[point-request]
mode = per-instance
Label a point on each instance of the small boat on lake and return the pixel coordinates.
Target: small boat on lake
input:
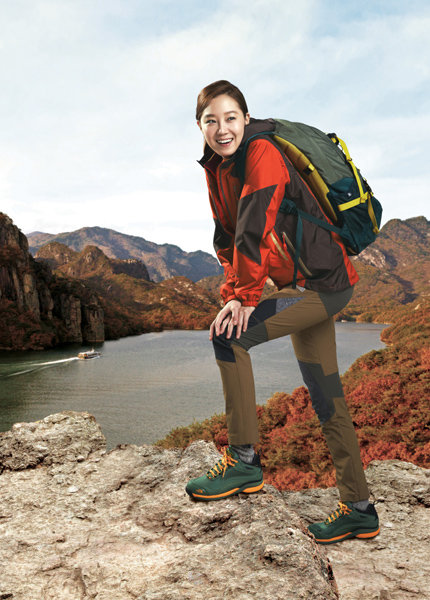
(89, 354)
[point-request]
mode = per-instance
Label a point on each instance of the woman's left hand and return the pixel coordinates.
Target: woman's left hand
(232, 315)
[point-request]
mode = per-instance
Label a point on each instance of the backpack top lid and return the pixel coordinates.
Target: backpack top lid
(316, 145)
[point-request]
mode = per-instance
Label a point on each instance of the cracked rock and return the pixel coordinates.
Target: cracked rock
(77, 523)
(119, 525)
(395, 564)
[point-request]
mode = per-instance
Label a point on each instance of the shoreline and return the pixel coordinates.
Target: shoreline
(94, 343)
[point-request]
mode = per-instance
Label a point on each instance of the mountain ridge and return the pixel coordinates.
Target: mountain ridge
(68, 296)
(161, 260)
(394, 272)
(65, 259)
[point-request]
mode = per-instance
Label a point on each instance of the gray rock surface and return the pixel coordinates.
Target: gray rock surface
(395, 564)
(79, 523)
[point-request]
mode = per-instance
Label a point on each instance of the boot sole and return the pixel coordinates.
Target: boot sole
(248, 489)
(364, 534)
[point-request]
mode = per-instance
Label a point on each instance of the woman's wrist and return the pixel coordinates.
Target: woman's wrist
(234, 299)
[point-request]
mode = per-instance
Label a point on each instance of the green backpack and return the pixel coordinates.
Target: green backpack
(346, 198)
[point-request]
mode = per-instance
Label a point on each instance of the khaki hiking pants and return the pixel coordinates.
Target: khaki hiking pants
(308, 317)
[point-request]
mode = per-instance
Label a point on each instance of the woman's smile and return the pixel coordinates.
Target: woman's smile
(223, 125)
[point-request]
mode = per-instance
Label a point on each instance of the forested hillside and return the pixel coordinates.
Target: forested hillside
(131, 303)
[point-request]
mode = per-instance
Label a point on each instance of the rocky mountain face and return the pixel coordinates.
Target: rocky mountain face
(394, 270)
(77, 523)
(91, 261)
(399, 244)
(68, 296)
(162, 260)
(37, 309)
(131, 303)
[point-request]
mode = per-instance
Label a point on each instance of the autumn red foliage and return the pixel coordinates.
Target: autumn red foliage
(387, 392)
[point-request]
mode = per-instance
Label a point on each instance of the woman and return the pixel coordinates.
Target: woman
(254, 240)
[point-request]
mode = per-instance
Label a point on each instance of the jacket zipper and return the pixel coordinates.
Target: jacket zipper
(286, 257)
(222, 197)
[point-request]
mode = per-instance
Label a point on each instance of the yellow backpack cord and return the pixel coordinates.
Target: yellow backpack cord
(364, 196)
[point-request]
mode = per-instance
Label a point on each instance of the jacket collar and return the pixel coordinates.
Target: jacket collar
(210, 160)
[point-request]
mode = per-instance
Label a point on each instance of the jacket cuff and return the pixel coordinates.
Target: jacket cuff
(230, 297)
(249, 302)
(250, 299)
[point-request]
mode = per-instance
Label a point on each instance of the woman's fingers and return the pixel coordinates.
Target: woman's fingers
(226, 322)
(247, 311)
(234, 307)
(240, 324)
(211, 330)
(229, 316)
(244, 314)
(233, 322)
(220, 318)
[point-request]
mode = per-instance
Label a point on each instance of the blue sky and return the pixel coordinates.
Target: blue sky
(98, 101)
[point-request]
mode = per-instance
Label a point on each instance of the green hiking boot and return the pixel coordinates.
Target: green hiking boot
(346, 522)
(229, 476)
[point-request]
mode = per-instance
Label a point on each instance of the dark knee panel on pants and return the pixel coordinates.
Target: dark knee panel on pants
(256, 332)
(322, 389)
(222, 347)
(272, 306)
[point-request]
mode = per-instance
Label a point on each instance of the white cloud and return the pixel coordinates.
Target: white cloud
(398, 194)
(152, 214)
(98, 101)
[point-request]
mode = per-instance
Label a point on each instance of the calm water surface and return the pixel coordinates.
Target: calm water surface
(144, 386)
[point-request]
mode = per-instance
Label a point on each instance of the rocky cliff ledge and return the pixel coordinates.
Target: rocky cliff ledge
(37, 309)
(77, 523)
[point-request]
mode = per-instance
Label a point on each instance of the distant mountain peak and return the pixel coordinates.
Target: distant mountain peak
(162, 260)
(38, 233)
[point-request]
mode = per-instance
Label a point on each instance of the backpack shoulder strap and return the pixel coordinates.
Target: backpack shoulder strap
(241, 158)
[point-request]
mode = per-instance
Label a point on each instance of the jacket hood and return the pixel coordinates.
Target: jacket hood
(210, 159)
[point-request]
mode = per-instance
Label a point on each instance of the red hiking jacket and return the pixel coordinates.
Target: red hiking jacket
(253, 240)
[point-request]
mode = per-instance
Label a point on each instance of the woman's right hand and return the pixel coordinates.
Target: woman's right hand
(233, 314)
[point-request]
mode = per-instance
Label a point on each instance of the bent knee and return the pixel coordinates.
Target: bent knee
(222, 347)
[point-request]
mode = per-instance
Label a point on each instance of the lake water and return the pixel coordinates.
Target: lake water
(144, 386)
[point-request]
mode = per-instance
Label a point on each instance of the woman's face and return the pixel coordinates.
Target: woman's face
(222, 124)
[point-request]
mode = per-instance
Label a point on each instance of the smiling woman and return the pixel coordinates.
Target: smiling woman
(254, 240)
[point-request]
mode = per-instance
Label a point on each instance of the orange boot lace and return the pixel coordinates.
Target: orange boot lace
(220, 468)
(342, 509)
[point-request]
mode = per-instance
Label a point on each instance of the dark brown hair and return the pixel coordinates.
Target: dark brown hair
(215, 89)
